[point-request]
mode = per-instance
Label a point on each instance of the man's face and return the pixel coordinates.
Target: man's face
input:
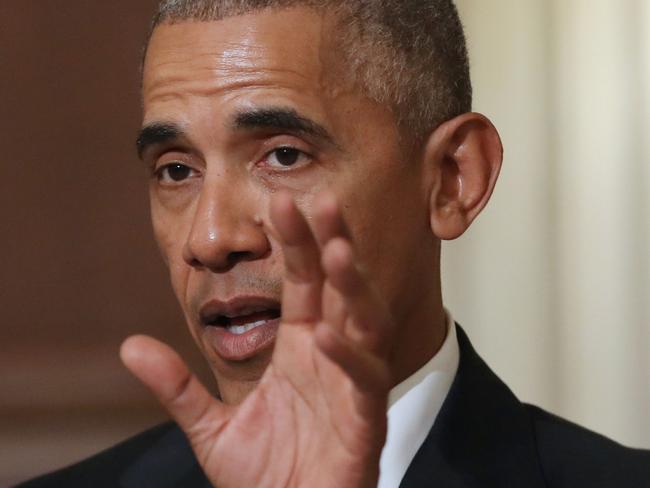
(238, 109)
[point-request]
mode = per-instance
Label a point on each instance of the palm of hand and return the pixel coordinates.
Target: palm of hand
(318, 416)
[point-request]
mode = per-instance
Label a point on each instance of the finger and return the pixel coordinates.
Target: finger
(334, 311)
(328, 223)
(369, 322)
(328, 220)
(162, 370)
(301, 293)
(368, 372)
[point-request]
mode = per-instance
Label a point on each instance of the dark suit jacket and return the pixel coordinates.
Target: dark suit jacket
(483, 437)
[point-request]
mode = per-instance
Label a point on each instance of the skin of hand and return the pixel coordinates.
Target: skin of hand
(324, 209)
(321, 403)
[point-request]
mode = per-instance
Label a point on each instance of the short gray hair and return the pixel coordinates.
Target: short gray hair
(409, 54)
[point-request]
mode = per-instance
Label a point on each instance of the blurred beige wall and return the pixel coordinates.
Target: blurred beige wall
(553, 281)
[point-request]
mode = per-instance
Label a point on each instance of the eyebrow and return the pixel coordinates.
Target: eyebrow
(157, 133)
(270, 118)
(281, 119)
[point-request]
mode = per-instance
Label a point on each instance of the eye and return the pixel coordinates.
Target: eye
(174, 173)
(286, 157)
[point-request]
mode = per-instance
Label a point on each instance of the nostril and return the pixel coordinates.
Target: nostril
(219, 265)
(221, 251)
(235, 257)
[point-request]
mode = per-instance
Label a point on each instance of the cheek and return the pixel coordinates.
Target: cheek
(390, 224)
(170, 234)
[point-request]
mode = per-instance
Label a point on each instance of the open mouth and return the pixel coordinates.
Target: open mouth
(242, 323)
(240, 328)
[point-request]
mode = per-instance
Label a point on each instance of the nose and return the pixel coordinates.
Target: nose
(225, 230)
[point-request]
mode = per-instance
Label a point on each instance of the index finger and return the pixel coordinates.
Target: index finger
(303, 281)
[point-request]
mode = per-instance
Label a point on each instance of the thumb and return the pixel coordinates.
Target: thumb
(162, 370)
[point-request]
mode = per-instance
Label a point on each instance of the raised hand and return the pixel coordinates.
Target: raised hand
(318, 416)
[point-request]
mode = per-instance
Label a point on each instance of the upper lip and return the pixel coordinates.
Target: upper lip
(213, 310)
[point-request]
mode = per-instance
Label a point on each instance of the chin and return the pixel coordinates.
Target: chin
(236, 379)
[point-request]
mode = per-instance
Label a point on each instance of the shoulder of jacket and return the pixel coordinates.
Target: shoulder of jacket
(102, 468)
(571, 455)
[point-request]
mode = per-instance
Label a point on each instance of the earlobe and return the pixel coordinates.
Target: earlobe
(465, 156)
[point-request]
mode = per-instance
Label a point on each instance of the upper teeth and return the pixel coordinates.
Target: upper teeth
(241, 312)
(242, 329)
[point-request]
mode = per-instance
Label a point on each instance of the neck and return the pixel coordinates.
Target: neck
(422, 332)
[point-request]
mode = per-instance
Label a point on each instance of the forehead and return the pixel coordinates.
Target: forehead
(284, 49)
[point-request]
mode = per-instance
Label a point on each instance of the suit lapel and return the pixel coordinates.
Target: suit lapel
(482, 437)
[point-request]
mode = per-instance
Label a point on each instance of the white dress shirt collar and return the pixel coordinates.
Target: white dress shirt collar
(414, 405)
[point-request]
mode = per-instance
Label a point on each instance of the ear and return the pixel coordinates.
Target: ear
(464, 155)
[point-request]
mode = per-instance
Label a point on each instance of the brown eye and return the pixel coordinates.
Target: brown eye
(285, 157)
(175, 172)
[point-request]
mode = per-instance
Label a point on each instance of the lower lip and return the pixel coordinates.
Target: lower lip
(239, 347)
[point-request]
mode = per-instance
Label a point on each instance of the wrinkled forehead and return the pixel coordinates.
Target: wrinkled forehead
(293, 47)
